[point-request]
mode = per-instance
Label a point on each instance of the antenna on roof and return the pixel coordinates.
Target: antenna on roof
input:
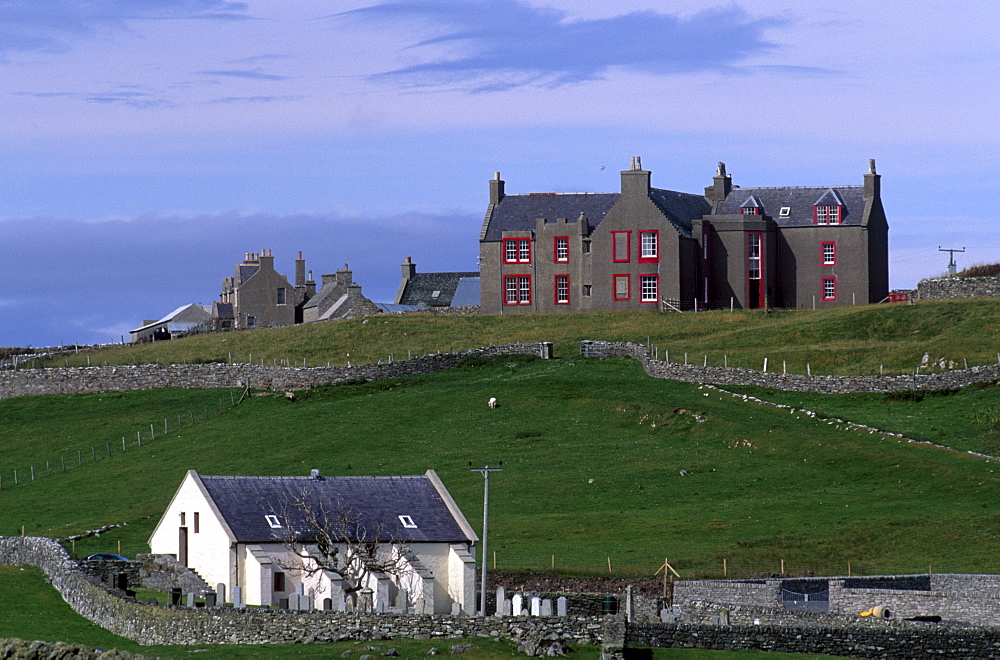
(951, 258)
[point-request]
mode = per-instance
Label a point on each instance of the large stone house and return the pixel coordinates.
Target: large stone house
(648, 247)
(251, 532)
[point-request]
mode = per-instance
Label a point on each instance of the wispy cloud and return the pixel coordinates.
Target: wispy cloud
(124, 96)
(53, 26)
(252, 74)
(503, 44)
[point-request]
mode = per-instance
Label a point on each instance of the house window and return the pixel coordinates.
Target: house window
(183, 518)
(649, 288)
(829, 288)
(620, 247)
(750, 210)
(197, 522)
(407, 522)
(251, 321)
(517, 250)
(649, 247)
(830, 254)
(281, 295)
(562, 289)
(585, 247)
(517, 290)
(827, 215)
(586, 290)
(561, 247)
(621, 287)
(753, 256)
(278, 583)
(272, 521)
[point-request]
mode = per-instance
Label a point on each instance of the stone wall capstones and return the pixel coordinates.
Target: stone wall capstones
(790, 382)
(124, 378)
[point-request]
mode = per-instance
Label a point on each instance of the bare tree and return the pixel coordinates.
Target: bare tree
(335, 540)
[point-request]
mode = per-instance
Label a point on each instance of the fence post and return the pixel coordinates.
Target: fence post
(48, 470)
(16, 482)
(108, 444)
(123, 444)
(32, 472)
(79, 457)
(63, 462)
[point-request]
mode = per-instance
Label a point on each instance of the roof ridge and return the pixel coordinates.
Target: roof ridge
(793, 187)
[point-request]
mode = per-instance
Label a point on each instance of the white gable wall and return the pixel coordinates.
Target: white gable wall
(208, 539)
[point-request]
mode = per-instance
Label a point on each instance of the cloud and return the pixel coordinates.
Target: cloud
(54, 25)
(501, 44)
(252, 74)
(125, 96)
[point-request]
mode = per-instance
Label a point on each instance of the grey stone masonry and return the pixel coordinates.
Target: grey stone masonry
(791, 382)
(79, 380)
(958, 287)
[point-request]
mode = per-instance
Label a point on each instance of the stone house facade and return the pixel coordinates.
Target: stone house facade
(239, 531)
(339, 297)
(652, 248)
(259, 296)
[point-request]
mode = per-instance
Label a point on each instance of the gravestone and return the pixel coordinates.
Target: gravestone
(516, 604)
(190, 599)
(561, 606)
(456, 609)
(237, 596)
(667, 615)
(403, 601)
(210, 599)
(507, 607)
(327, 604)
(220, 589)
(300, 588)
(536, 606)
(285, 603)
(629, 604)
(501, 594)
(380, 606)
(546, 607)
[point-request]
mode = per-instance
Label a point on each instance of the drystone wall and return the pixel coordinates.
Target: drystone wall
(958, 287)
(22, 648)
(154, 624)
(790, 382)
(79, 380)
(870, 639)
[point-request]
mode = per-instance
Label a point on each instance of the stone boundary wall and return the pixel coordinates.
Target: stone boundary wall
(869, 639)
(154, 624)
(12, 647)
(958, 287)
(123, 378)
(790, 382)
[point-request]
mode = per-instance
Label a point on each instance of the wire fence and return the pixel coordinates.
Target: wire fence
(514, 561)
(92, 453)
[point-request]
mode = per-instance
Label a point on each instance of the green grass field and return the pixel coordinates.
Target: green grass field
(842, 340)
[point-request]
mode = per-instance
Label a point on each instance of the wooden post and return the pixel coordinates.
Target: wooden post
(609, 565)
(494, 560)
(48, 469)
(32, 472)
(123, 444)
(72, 545)
(848, 569)
(109, 447)
(138, 438)
(782, 566)
(22, 531)
(119, 546)
(79, 457)
(808, 370)
(725, 569)
(765, 365)
(553, 562)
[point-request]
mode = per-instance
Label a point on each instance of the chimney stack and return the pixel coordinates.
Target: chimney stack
(496, 189)
(300, 270)
(635, 181)
(873, 185)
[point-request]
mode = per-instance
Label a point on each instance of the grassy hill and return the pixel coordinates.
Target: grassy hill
(843, 340)
(593, 457)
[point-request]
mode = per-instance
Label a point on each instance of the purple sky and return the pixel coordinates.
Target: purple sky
(149, 144)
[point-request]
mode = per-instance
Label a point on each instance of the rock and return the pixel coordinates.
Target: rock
(391, 652)
(459, 649)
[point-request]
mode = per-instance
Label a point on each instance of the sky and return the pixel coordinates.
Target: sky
(147, 145)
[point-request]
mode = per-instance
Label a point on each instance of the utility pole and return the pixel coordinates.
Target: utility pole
(951, 258)
(485, 471)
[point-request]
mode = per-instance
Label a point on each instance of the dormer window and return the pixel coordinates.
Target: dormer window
(752, 206)
(828, 215)
(750, 210)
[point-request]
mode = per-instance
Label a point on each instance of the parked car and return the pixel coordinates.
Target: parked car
(106, 556)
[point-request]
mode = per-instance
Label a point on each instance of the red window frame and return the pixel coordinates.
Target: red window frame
(555, 249)
(614, 286)
(626, 242)
(823, 282)
(655, 259)
(522, 283)
(822, 253)
(555, 289)
(831, 214)
(517, 246)
(656, 282)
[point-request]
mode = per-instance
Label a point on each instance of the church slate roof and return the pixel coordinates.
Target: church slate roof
(374, 504)
(680, 208)
(421, 287)
(800, 202)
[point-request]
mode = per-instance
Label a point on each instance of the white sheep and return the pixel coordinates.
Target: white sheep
(492, 403)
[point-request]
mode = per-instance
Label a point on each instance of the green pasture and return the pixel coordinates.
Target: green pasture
(864, 339)
(602, 465)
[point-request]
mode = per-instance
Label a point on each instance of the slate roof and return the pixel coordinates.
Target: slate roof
(800, 201)
(374, 502)
(178, 326)
(246, 272)
(421, 287)
(519, 212)
(467, 292)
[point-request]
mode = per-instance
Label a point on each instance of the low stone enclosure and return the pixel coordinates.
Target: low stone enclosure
(938, 288)
(791, 382)
(724, 614)
(80, 380)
